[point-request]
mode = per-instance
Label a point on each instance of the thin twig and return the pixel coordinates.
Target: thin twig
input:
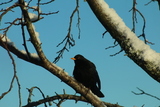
(144, 25)
(46, 2)
(134, 20)
(6, 2)
(78, 20)
(31, 93)
(13, 78)
(24, 40)
(7, 10)
(143, 92)
(69, 41)
(19, 91)
(104, 33)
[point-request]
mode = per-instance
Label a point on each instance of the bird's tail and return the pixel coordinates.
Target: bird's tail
(97, 91)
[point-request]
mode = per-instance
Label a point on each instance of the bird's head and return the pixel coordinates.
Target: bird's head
(81, 61)
(78, 57)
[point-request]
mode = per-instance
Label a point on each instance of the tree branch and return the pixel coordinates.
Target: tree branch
(4, 38)
(135, 48)
(52, 68)
(68, 40)
(63, 97)
(42, 61)
(144, 93)
(21, 54)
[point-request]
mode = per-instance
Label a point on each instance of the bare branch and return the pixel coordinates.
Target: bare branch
(24, 40)
(78, 20)
(112, 46)
(31, 31)
(149, 2)
(50, 13)
(19, 91)
(52, 68)
(117, 53)
(30, 94)
(127, 39)
(5, 30)
(69, 41)
(15, 73)
(20, 54)
(64, 97)
(115, 45)
(46, 2)
(134, 20)
(7, 10)
(104, 33)
(153, 1)
(6, 2)
(13, 78)
(144, 93)
(144, 25)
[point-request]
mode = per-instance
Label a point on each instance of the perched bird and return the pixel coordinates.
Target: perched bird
(85, 72)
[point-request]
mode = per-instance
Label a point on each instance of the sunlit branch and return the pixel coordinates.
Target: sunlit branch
(33, 59)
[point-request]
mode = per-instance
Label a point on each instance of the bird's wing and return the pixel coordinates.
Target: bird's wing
(98, 80)
(96, 76)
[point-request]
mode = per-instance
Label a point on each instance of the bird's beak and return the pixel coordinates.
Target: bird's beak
(73, 58)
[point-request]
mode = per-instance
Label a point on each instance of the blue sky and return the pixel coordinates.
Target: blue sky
(119, 75)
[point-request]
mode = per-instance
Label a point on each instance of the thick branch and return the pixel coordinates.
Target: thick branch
(31, 31)
(55, 70)
(136, 49)
(20, 54)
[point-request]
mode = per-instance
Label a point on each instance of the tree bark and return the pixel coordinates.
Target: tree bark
(135, 49)
(55, 70)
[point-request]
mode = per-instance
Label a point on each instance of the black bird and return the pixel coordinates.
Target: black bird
(85, 72)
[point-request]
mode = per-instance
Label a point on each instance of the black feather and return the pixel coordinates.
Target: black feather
(85, 72)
